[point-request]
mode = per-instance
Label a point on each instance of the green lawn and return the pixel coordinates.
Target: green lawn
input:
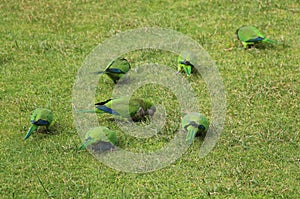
(43, 45)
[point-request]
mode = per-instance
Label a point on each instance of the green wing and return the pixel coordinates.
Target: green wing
(137, 110)
(117, 69)
(249, 33)
(120, 105)
(42, 114)
(39, 117)
(98, 134)
(185, 63)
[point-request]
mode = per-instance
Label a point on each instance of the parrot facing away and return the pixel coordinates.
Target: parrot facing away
(250, 35)
(194, 124)
(137, 109)
(184, 64)
(100, 139)
(116, 69)
(39, 117)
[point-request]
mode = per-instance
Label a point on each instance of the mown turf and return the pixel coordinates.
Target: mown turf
(43, 44)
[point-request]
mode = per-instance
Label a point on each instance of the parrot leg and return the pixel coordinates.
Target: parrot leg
(47, 129)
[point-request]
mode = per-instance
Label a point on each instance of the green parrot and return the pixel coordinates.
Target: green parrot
(100, 139)
(184, 64)
(195, 124)
(250, 35)
(116, 69)
(137, 111)
(39, 117)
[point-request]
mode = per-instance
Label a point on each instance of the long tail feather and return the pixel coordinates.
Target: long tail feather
(189, 70)
(86, 111)
(99, 72)
(83, 146)
(29, 132)
(271, 41)
(191, 134)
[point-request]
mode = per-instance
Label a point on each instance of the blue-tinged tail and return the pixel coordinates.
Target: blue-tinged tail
(107, 110)
(257, 39)
(191, 134)
(30, 131)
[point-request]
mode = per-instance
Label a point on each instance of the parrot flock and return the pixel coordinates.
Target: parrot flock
(137, 109)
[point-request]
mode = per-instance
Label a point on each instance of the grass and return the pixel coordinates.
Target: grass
(43, 44)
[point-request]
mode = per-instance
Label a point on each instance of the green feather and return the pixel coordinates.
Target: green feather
(31, 130)
(137, 110)
(194, 123)
(185, 63)
(40, 117)
(270, 41)
(250, 35)
(120, 64)
(191, 133)
(188, 70)
(99, 134)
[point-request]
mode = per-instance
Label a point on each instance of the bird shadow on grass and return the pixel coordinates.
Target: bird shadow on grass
(200, 136)
(42, 132)
(268, 46)
(55, 129)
